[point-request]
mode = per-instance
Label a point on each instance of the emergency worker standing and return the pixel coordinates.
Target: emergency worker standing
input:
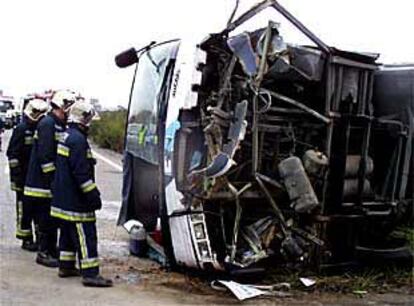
(75, 199)
(18, 153)
(1, 132)
(37, 190)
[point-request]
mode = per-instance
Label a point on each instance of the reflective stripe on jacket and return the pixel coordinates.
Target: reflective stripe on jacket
(74, 187)
(18, 153)
(42, 160)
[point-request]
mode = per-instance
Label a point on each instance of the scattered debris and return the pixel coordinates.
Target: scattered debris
(259, 152)
(308, 282)
(244, 291)
(360, 293)
(130, 278)
(156, 252)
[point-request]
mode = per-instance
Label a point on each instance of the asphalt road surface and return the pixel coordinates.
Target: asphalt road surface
(137, 281)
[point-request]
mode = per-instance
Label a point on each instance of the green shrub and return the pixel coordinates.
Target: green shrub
(108, 132)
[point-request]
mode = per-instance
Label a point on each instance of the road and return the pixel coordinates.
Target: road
(23, 282)
(137, 281)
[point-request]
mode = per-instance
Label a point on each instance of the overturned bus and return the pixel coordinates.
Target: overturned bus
(254, 152)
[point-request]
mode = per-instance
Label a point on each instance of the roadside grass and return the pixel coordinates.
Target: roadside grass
(378, 279)
(368, 279)
(108, 132)
(406, 232)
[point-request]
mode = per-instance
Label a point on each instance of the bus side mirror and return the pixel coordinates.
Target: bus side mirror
(126, 58)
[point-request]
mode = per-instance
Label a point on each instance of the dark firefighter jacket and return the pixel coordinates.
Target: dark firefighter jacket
(75, 194)
(18, 153)
(42, 159)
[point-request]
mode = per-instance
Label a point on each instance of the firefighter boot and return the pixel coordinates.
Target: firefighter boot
(29, 245)
(96, 281)
(47, 260)
(63, 272)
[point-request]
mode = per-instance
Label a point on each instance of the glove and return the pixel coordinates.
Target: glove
(97, 204)
(19, 181)
(93, 199)
(16, 176)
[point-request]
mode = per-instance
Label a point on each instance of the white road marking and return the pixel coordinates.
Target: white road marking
(6, 170)
(108, 161)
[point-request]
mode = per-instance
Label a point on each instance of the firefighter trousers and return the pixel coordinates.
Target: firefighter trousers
(24, 218)
(47, 225)
(79, 238)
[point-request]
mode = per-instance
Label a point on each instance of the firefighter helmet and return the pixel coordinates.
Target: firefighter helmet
(63, 99)
(82, 112)
(35, 109)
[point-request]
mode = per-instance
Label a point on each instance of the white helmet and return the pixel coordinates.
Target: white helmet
(35, 109)
(63, 99)
(82, 112)
(80, 98)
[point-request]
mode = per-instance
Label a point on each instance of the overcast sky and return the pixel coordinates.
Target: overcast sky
(71, 43)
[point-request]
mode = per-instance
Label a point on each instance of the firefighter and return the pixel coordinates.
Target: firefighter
(1, 132)
(75, 199)
(18, 153)
(37, 189)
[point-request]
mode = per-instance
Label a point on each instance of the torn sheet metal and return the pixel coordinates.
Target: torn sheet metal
(273, 153)
(237, 130)
(277, 46)
(242, 48)
(221, 163)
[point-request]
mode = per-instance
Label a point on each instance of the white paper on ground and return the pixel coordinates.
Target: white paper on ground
(307, 281)
(241, 291)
